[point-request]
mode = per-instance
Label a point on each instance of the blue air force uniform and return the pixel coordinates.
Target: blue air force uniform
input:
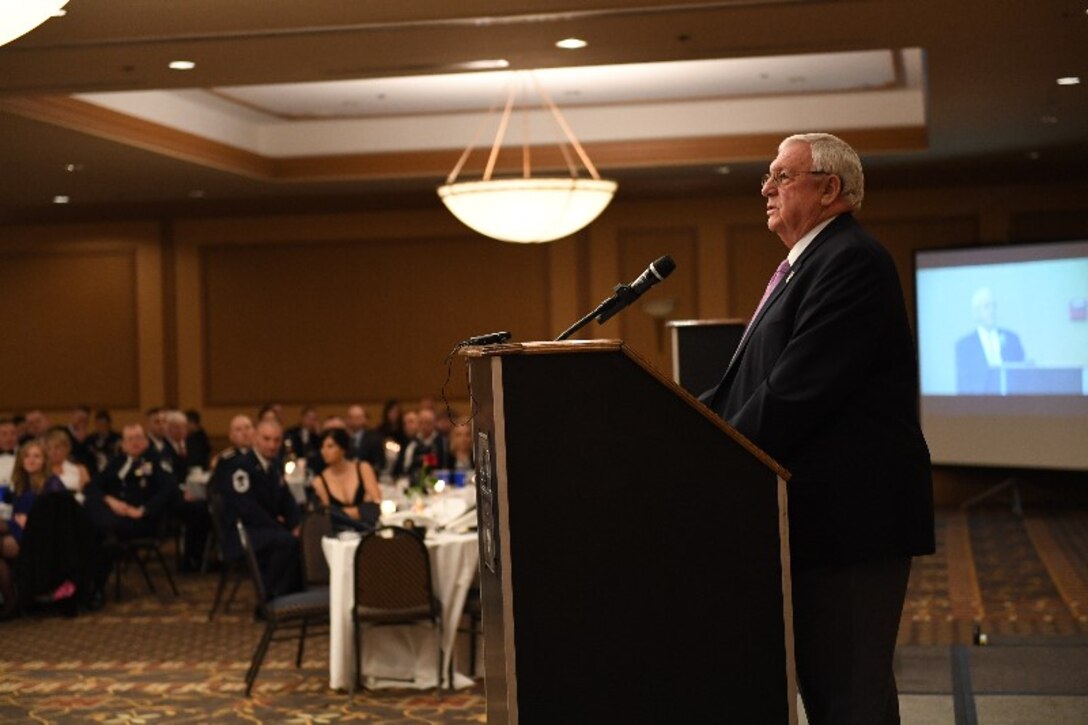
(252, 490)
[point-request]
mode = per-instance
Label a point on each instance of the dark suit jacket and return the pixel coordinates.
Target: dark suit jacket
(370, 449)
(826, 383)
(973, 372)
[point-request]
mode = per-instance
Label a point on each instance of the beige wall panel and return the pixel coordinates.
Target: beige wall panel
(752, 255)
(901, 237)
(74, 337)
(333, 321)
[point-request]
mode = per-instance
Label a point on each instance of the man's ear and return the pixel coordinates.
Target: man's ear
(832, 190)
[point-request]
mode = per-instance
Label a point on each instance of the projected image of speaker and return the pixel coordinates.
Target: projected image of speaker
(1003, 354)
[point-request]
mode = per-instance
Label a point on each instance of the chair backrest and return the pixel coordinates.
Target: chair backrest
(393, 571)
(251, 563)
(316, 525)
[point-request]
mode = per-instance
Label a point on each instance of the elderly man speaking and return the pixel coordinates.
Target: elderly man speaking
(825, 380)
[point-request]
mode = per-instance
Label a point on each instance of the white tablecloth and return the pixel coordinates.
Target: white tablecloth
(399, 656)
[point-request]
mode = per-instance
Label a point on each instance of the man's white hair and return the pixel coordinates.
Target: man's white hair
(835, 156)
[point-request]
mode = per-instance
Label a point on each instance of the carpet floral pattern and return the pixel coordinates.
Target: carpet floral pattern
(157, 659)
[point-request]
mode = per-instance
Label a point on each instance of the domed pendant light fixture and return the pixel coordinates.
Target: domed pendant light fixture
(19, 17)
(528, 209)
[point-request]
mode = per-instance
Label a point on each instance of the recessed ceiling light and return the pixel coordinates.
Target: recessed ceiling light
(488, 64)
(60, 199)
(571, 43)
(1068, 81)
(723, 170)
(182, 65)
(73, 168)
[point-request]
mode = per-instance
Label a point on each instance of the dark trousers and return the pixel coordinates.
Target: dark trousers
(845, 621)
(279, 557)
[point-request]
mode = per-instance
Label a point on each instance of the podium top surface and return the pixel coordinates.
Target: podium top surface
(568, 347)
(705, 323)
(544, 348)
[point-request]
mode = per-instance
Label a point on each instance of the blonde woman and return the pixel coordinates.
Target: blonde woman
(58, 450)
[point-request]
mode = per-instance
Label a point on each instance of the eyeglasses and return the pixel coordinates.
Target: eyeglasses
(785, 178)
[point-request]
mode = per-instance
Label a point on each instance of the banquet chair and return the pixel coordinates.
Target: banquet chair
(316, 525)
(140, 551)
(393, 587)
(301, 611)
(229, 566)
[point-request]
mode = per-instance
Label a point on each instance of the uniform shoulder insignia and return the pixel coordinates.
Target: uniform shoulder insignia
(228, 454)
(240, 480)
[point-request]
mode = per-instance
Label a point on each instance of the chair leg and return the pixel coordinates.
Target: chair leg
(301, 643)
(143, 569)
(473, 633)
(166, 570)
(118, 565)
(219, 591)
(356, 662)
(239, 575)
(258, 656)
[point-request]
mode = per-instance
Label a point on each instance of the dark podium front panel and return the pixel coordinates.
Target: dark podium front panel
(638, 571)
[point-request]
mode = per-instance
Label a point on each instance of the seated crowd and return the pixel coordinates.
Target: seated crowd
(75, 494)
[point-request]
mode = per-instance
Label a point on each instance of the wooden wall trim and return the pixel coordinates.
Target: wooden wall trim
(111, 125)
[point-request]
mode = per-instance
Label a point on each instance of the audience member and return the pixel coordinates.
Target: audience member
(303, 438)
(174, 456)
(196, 441)
(58, 450)
(240, 435)
(128, 499)
(77, 430)
(253, 491)
(461, 452)
(56, 548)
(104, 443)
(427, 442)
(20, 426)
(31, 478)
(186, 506)
(409, 425)
(36, 426)
(366, 445)
(8, 441)
(345, 485)
(391, 428)
(155, 428)
(9, 550)
(270, 411)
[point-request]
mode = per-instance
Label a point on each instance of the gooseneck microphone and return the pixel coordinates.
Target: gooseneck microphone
(624, 294)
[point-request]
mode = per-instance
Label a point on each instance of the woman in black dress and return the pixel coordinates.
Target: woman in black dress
(347, 486)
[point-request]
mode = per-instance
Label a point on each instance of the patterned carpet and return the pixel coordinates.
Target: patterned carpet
(156, 659)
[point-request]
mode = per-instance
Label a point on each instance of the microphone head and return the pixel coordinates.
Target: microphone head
(663, 266)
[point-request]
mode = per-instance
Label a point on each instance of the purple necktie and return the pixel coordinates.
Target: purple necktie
(776, 279)
(779, 274)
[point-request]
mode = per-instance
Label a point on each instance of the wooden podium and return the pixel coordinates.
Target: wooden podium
(634, 558)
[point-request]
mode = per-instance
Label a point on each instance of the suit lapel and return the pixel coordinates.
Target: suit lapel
(795, 269)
